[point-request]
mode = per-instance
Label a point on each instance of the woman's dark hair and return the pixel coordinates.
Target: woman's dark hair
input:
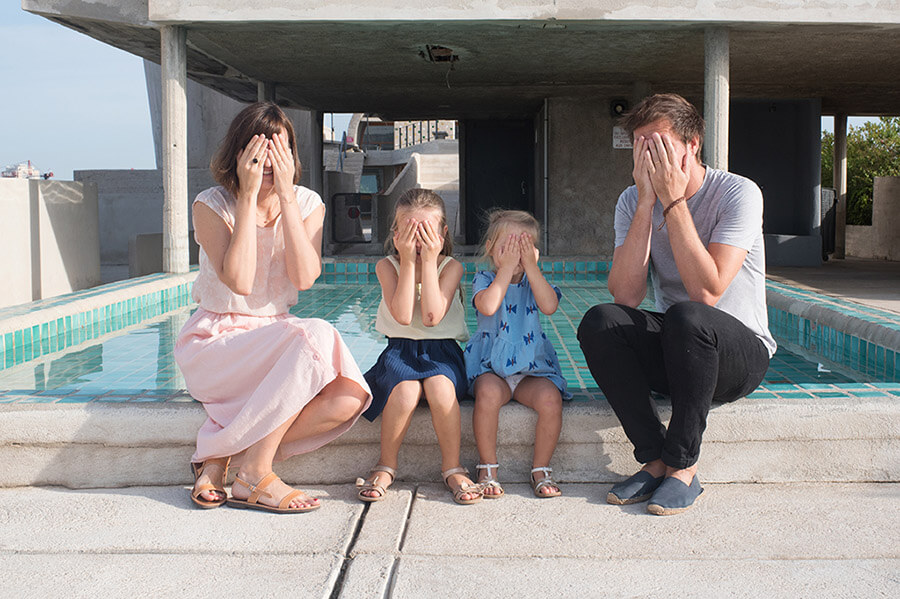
(264, 118)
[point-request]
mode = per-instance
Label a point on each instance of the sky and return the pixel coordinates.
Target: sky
(69, 102)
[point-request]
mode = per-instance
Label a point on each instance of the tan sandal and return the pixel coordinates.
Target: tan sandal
(372, 485)
(258, 490)
(547, 481)
(490, 482)
(196, 492)
(463, 488)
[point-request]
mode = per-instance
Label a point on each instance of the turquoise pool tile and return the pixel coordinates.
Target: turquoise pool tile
(815, 386)
(830, 393)
(762, 395)
(868, 393)
(77, 399)
(886, 385)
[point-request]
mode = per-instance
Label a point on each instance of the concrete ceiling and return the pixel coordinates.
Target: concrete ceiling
(509, 67)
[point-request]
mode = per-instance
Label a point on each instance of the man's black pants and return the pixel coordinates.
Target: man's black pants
(694, 353)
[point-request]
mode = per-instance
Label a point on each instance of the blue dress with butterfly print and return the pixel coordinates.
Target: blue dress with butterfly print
(511, 341)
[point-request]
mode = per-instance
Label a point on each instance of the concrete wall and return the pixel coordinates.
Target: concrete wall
(50, 229)
(131, 203)
(209, 115)
(585, 179)
(881, 240)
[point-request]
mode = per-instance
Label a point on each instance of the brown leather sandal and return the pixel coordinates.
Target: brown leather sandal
(463, 487)
(373, 485)
(198, 469)
(258, 490)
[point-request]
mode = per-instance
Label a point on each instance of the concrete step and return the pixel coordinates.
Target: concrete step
(751, 440)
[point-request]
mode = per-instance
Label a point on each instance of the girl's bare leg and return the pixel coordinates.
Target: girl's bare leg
(541, 395)
(395, 419)
(491, 393)
(441, 395)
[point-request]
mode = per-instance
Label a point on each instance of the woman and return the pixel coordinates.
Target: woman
(273, 385)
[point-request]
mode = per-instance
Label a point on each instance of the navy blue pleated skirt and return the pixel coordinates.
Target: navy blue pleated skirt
(414, 360)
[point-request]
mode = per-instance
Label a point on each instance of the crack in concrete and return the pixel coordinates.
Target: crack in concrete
(348, 554)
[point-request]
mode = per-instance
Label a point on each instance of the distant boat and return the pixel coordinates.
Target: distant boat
(24, 170)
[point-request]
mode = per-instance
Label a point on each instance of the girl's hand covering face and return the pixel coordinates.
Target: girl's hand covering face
(405, 240)
(250, 173)
(527, 252)
(509, 254)
(432, 241)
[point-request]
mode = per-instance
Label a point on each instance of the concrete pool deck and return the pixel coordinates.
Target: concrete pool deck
(874, 283)
(741, 540)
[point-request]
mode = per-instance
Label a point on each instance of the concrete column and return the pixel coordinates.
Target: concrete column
(840, 185)
(265, 91)
(174, 148)
(716, 97)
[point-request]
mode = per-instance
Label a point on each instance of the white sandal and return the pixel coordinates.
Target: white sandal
(490, 482)
(547, 481)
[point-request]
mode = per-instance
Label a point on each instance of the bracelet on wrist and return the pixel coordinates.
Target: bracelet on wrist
(666, 212)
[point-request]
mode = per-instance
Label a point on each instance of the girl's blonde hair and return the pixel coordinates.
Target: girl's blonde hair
(498, 220)
(419, 199)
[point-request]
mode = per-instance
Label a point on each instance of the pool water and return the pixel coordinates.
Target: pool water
(136, 364)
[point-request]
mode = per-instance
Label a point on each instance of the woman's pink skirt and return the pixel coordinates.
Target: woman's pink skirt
(253, 373)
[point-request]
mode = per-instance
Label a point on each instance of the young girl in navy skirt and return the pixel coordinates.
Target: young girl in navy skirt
(422, 315)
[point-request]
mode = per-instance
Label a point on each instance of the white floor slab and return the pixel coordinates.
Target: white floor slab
(603, 577)
(163, 520)
(737, 521)
(102, 576)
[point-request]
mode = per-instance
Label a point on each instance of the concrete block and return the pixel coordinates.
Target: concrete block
(798, 521)
(751, 440)
(197, 569)
(163, 520)
(369, 576)
(611, 576)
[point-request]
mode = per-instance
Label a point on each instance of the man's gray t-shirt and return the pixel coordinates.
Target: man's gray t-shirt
(726, 209)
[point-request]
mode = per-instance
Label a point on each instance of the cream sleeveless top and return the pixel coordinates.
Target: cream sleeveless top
(452, 326)
(273, 293)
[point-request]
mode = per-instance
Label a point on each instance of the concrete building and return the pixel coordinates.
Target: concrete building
(535, 86)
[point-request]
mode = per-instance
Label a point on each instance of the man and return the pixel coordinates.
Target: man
(699, 232)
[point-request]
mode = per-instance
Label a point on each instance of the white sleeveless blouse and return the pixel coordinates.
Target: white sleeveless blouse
(452, 326)
(272, 293)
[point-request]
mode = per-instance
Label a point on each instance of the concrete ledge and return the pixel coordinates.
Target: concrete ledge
(751, 440)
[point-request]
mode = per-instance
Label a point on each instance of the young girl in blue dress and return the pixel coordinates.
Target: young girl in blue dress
(509, 356)
(422, 315)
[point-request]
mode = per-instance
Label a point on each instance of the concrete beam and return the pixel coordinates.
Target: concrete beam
(174, 152)
(265, 91)
(715, 97)
(840, 185)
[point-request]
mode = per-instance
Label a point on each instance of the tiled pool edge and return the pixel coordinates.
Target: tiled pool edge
(40, 328)
(839, 332)
(861, 338)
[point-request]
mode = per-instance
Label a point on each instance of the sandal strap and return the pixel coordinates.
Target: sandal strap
(487, 467)
(386, 469)
(458, 470)
(258, 489)
(286, 501)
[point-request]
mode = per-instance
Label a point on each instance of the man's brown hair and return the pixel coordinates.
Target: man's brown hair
(263, 118)
(685, 119)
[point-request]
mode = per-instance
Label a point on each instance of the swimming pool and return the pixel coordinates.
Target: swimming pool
(135, 364)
